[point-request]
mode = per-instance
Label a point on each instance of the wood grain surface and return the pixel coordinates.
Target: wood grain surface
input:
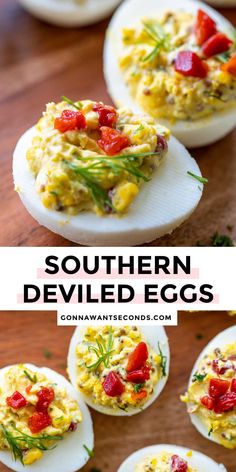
(38, 64)
(26, 336)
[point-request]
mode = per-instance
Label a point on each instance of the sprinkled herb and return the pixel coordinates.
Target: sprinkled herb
(198, 377)
(224, 57)
(103, 351)
(47, 353)
(221, 240)
(77, 105)
(163, 361)
(138, 387)
(90, 453)
(123, 408)
(160, 38)
(33, 378)
(203, 180)
(210, 431)
(17, 443)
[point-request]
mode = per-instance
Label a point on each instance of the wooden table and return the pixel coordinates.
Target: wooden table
(29, 335)
(39, 63)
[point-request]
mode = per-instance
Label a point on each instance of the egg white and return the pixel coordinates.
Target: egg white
(153, 335)
(197, 133)
(69, 454)
(227, 336)
(161, 205)
(198, 460)
(68, 13)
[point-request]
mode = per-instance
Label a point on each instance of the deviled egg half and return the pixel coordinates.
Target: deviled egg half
(104, 177)
(44, 423)
(70, 13)
(175, 61)
(211, 395)
(169, 458)
(119, 370)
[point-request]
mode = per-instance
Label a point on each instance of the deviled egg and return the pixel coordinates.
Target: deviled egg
(100, 176)
(211, 395)
(70, 12)
(169, 458)
(44, 423)
(119, 370)
(177, 62)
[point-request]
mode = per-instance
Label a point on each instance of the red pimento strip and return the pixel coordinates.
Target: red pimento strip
(218, 387)
(139, 376)
(205, 27)
(139, 396)
(112, 385)
(230, 66)
(216, 45)
(178, 464)
(233, 386)
(45, 397)
(208, 402)
(16, 401)
(189, 64)
(137, 359)
(39, 421)
(107, 115)
(70, 120)
(225, 403)
(112, 141)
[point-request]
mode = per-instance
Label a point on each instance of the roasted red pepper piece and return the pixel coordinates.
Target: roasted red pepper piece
(218, 387)
(112, 141)
(205, 27)
(188, 63)
(233, 386)
(137, 359)
(70, 120)
(16, 401)
(226, 402)
(178, 464)
(107, 115)
(38, 421)
(45, 397)
(216, 44)
(113, 385)
(208, 402)
(139, 396)
(218, 370)
(28, 388)
(230, 66)
(139, 376)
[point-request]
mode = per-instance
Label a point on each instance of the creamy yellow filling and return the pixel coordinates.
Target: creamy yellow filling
(221, 426)
(14, 422)
(153, 82)
(53, 156)
(124, 340)
(160, 462)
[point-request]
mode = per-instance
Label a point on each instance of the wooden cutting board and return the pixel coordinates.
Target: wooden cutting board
(38, 64)
(34, 337)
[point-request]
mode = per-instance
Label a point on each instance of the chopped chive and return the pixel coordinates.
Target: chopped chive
(203, 180)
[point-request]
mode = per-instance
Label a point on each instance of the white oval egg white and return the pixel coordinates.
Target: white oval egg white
(225, 337)
(69, 13)
(153, 335)
(197, 133)
(69, 455)
(198, 460)
(162, 204)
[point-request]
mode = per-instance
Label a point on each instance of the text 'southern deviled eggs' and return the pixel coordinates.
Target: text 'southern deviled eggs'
(119, 370)
(169, 458)
(70, 12)
(211, 395)
(44, 423)
(104, 177)
(177, 62)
